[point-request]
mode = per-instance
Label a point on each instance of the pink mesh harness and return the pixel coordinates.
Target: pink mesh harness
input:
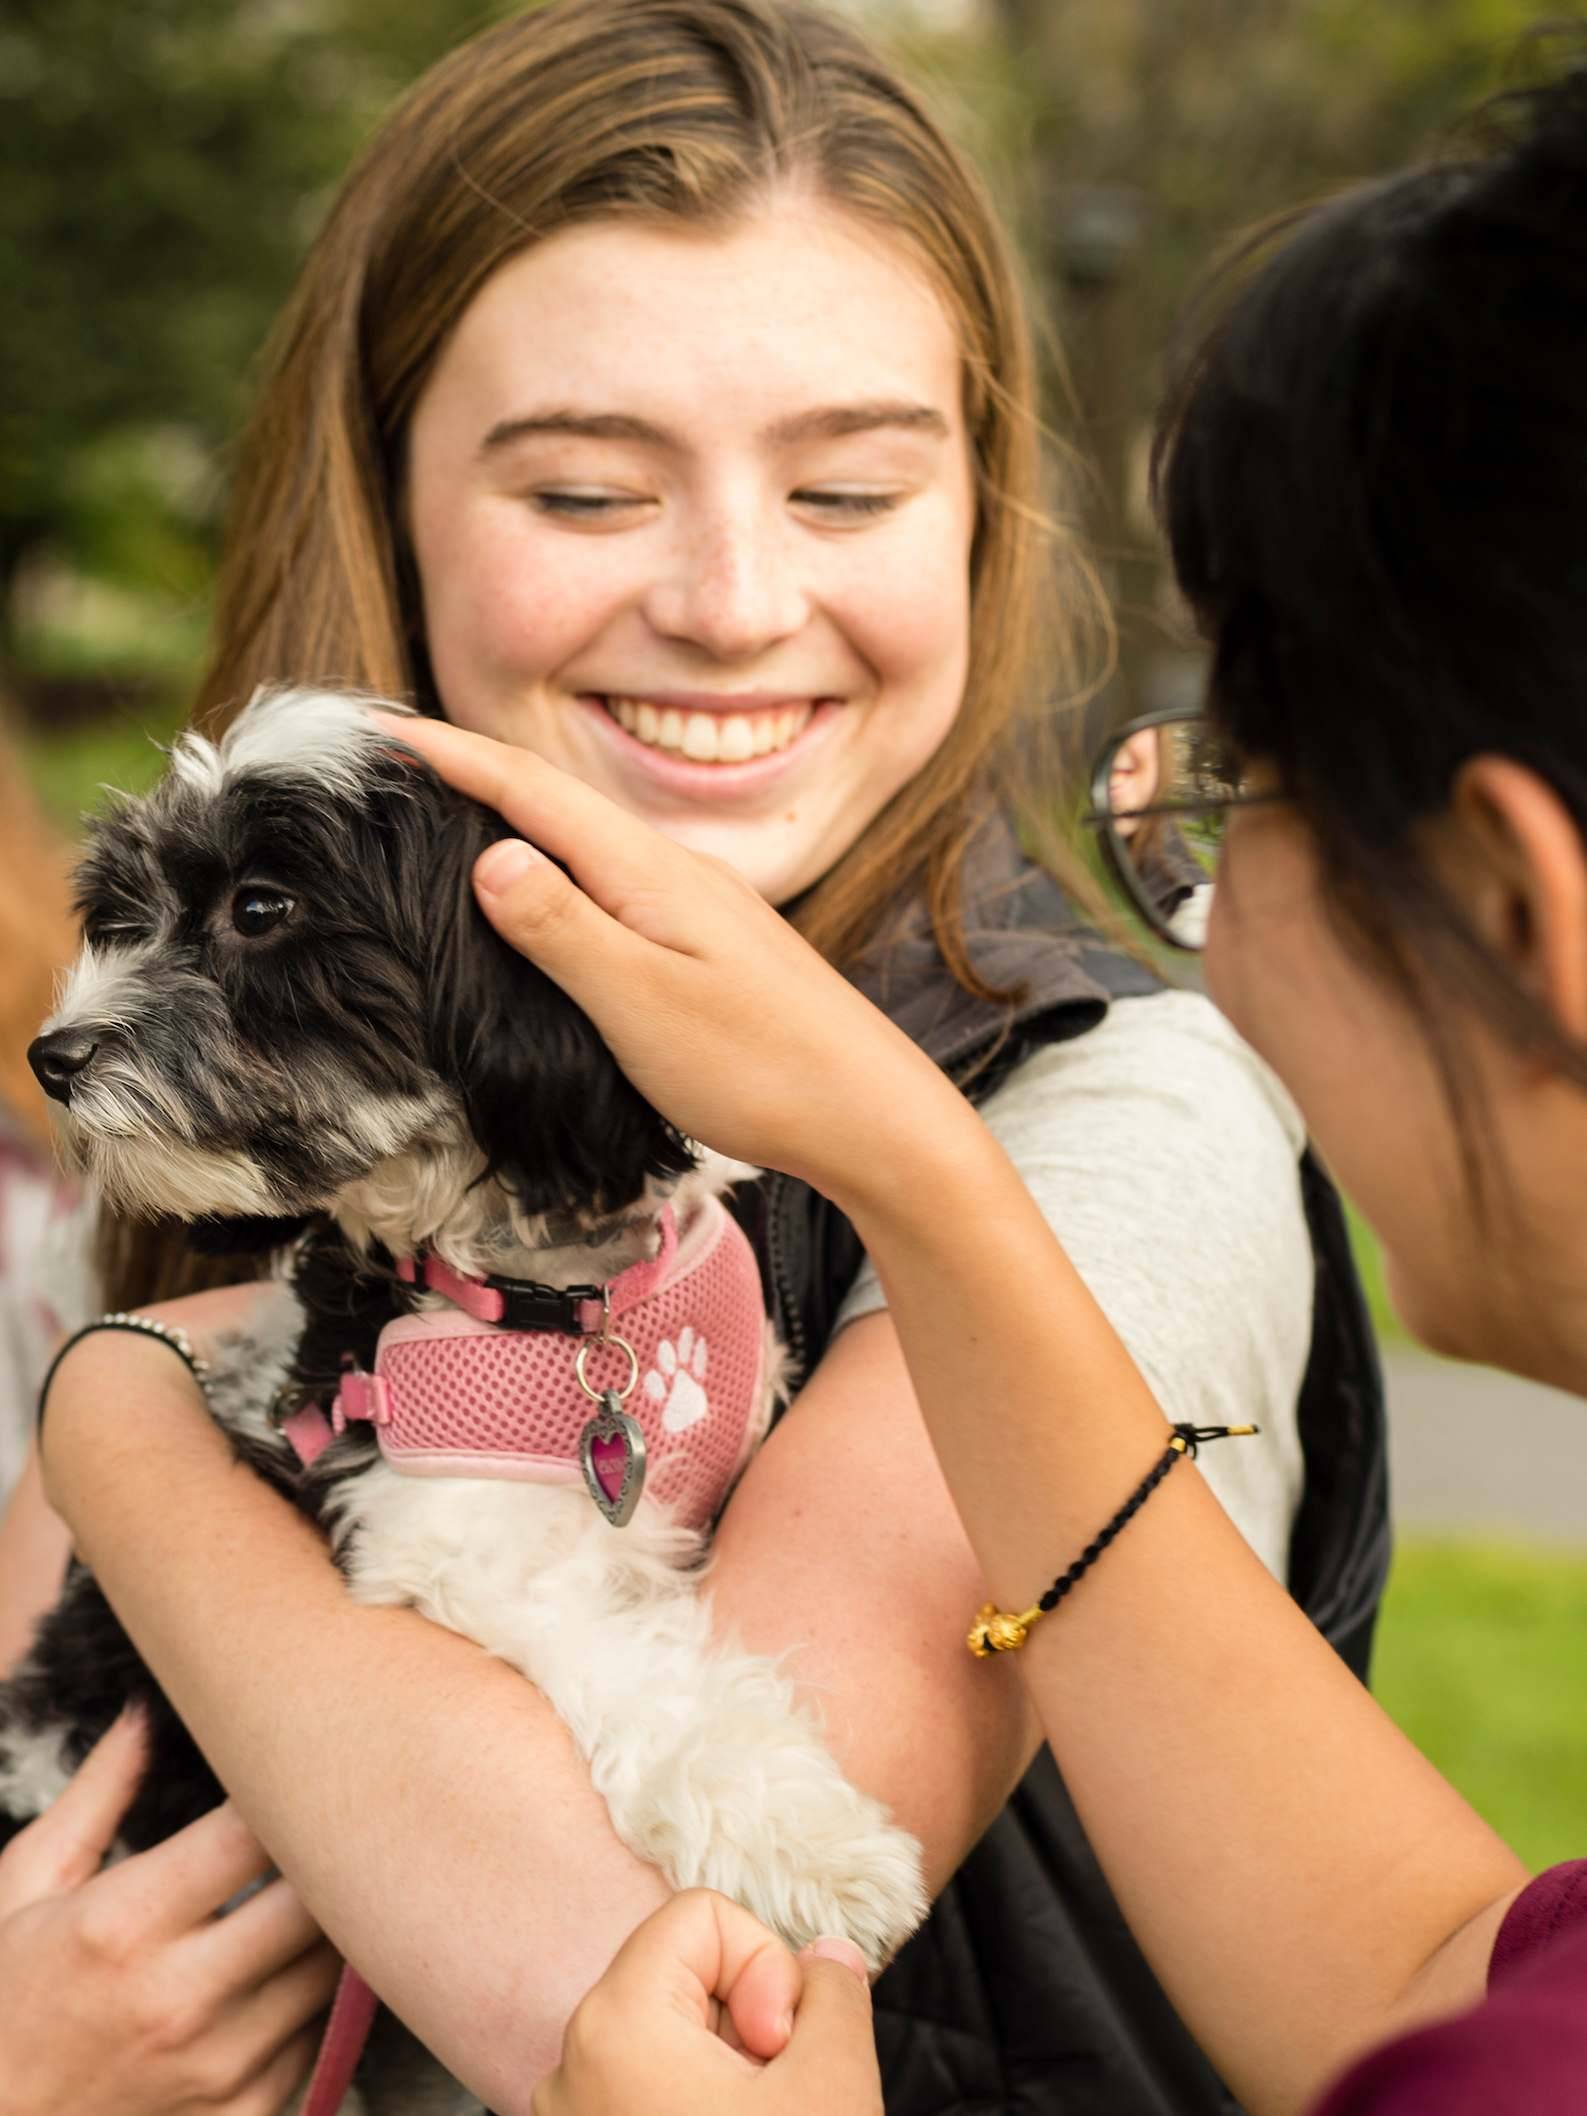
(454, 1395)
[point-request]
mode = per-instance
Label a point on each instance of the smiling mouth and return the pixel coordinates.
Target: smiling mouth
(710, 738)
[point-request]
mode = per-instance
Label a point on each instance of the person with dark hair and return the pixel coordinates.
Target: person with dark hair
(1374, 475)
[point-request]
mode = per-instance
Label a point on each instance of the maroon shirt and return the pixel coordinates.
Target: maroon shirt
(1524, 2049)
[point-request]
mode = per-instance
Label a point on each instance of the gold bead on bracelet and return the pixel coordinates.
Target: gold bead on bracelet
(995, 1631)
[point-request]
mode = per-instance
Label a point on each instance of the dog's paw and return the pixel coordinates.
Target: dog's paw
(864, 1880)
(777, 1827)
(868, 1888)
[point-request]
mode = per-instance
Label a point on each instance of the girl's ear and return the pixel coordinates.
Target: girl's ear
(558, 1121)
(1515, 858)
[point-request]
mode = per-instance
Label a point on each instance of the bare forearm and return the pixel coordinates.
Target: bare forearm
(1288, 1861)
(423, 1798)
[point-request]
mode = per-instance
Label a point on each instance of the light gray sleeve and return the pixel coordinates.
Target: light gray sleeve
(1165, 1156)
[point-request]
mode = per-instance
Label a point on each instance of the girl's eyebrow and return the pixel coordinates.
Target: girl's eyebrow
(833, 422)
(825, 423)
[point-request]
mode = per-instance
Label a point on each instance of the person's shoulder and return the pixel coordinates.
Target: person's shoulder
(1172, 1047)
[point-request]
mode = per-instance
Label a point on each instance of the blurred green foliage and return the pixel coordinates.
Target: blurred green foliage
(72, 766)
(163, 164)
(1479, 1659)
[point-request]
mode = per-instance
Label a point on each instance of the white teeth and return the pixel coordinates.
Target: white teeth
(710, 738)
(699, 738)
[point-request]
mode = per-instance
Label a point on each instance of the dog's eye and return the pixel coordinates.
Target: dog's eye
(255, 910)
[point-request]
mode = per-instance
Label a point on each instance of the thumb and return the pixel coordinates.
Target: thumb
(67, 1844)
(542, 912)
(832, 2050)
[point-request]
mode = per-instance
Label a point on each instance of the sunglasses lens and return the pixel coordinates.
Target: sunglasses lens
(1166, 790)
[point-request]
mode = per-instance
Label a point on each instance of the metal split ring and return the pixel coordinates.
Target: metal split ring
(617, 1344)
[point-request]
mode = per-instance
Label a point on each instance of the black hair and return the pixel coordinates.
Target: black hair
(1372, 469)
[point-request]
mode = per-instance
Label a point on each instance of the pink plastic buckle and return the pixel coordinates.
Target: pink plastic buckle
(361, 1396)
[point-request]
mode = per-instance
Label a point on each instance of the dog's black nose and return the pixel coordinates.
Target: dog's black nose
(57, 1059)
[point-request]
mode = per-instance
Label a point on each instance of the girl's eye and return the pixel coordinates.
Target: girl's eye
(256, 910)
(839, 501)
(586, 506)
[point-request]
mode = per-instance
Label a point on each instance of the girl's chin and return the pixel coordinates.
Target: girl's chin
(779, 863)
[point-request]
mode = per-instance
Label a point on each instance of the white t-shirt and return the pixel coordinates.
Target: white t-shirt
(1165, 1156)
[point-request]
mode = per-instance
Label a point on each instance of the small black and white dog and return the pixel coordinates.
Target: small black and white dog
(289, 1012)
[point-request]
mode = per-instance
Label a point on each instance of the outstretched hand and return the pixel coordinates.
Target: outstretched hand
(703, 2008)
(716, 1009)
(121, 1991)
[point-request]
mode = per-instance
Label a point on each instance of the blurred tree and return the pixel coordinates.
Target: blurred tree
(1156, 128)
(162, 165)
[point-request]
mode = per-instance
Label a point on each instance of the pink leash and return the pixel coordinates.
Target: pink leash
(346, 2032)
(353, 2008)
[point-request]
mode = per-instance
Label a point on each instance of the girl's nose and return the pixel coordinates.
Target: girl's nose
(733, 590)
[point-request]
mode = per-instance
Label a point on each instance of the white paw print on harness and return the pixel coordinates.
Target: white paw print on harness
(677, 1380)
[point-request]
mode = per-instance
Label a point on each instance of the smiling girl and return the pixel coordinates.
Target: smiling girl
(658, 399)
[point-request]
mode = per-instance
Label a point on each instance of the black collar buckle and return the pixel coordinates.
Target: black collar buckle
(526, 1305)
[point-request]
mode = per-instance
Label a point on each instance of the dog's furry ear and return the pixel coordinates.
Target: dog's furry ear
(561, 1125)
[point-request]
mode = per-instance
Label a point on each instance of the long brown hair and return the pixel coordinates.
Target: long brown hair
(590, 110)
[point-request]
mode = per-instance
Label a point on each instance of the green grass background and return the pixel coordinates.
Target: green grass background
(1482, 1659)
(1482, 1647)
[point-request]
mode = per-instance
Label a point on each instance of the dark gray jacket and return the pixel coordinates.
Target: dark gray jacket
(1024, 1992)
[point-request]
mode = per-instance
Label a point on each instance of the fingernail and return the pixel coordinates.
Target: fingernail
(836, 1949)
(785, 2025)
(506, 862)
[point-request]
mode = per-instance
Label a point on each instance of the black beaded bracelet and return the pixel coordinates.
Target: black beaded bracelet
(142, 1326)
(995, 1631)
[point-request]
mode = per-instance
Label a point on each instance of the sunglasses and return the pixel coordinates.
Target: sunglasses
(1161, 793)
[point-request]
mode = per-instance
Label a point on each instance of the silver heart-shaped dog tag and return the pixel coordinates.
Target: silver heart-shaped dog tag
(612, 1456)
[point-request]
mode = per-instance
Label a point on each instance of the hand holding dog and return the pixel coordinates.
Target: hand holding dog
(651, 2033)
(121, 1993)
(712, 1004)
